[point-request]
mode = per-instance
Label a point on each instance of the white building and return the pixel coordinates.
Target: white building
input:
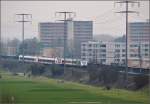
(114, 52)
(139, 54)
(97, 52)
(119, 52)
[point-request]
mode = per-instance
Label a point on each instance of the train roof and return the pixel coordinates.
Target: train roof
(46, 58)
(27, 56)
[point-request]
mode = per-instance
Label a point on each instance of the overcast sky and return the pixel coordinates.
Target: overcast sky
(103, 15)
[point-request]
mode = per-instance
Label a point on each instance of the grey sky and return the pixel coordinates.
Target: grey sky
(102, 13)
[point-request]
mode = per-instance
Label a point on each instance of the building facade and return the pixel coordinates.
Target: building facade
(119, 53)
(139, 40)
(83, 32)
(139, 55)
(114, 52)
(97, 52)
(53, 34)
(139, 31)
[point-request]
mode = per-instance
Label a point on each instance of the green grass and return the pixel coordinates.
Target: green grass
(42, 90)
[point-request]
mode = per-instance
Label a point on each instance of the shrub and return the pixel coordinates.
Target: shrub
(36, 69)
(141, 81)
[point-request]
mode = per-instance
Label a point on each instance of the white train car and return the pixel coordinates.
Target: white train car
(28, 58)
(46, 60)
(74, 62)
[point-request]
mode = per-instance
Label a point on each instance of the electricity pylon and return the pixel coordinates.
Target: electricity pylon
(23, 21)
(127, 11)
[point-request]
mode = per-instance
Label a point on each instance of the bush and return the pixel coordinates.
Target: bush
(7, 98)
(108, 76)
(141, 81)
(36, 69)
(57, 70)
(108, 87)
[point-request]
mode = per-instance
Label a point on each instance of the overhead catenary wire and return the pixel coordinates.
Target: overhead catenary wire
(104, 14)
(112, 20)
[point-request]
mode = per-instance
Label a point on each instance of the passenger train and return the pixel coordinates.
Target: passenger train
(45, 60)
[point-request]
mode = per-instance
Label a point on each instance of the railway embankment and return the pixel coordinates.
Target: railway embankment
(96, 75)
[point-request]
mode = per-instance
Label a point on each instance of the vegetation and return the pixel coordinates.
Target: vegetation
(41, 90)
(141, 81)
(31, 47)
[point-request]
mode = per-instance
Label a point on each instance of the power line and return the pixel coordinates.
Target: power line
(113, 20)
(104, 18)
(103, 14)
(23, 21)
(127, 11)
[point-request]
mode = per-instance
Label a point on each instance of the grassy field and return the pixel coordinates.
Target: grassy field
(40, 90)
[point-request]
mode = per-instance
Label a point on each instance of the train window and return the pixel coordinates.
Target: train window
(43, 60)
(31, 59)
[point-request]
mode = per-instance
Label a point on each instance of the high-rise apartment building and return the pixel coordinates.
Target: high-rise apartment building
(52, 35)
(139, 31)
(83, 32)
(139, 34)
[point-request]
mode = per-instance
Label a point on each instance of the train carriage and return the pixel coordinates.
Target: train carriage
(28, 58)
(45, 60)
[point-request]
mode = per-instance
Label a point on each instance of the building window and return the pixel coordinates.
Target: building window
(117, 60)
(90, 45)
(117, 45)
(133, 45)
(123, 55)
(84, 58)
(117, 55)
(117, 50)
(103, 60)
(123, 61)
(89, 49)
(103, 50)
(146, 45)
(90, 54)
(83, 54)
(103, 55)
(103, 45)
(83, 45)
(133, 55)
(146, 54)
(84, 49)
(123, 50)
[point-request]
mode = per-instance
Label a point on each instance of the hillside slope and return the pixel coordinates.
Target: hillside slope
(40, 90)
